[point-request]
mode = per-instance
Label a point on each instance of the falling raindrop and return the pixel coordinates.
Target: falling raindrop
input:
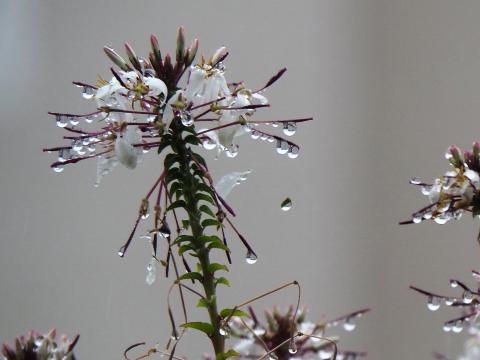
(433, 303)
(61, 120)
(286, 204)
(289, 128)
(88, 92)
(251, 257)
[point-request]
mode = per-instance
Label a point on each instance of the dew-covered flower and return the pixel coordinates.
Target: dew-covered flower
(456, 192)
(254, 337)
(35, 346)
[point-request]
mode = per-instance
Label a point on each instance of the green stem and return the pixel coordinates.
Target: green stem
(203, 253)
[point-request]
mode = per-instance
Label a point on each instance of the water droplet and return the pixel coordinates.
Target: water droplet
(325, 354)
(147, 237)
(61, 121)
(164, 230)
(224, 330)
(121, 253)
(77, 145)
(426, 190)
(349, 324)
(92, 148)
(208, 144)
(467, 297)
(151, 272)
(457, 327)
(433, 303)
(275, 124)
(88, 92)
(292, 347)
(282, 147)
(442, 219)
(255, 135)
(447, 327)
(453, 283)
(63, 155)
(73, 120)
(90, 118)
(58, 168)
(286, 204)
(289, 128)
(251, 257)
(232, 151)
(145, 216)
(448, 155)
(151, 118)
(417, 218)
(449, 301)
(415, 181)
(293, 152)
(186, 118)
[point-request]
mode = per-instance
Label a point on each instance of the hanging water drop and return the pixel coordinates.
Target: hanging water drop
(286, 204)
(457, 327)
(275, 124)
(447, 327)
(433, 303)
(251, 257)
(453, 283)
(121, 252)
(88, 92)
(289, 128)
(417, 218)
(415, 181)
(164, 230)
(209, 144)
(89, 119)
(186, 118)
(467, 297)
(232, 151)
(293, 152)
(58, 168)
(449, 301)
(255, 134)
(61, 121)
(224, 330)
(282, 147)
(349, 324)
(292, 347)
(73, 120)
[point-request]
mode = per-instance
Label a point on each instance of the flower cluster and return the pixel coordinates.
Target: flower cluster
(455, 192)
(256, 338)
(35, 346)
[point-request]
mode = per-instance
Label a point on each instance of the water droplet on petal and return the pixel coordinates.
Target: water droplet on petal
(251, 257)
(433, 303)
(208, 144)
(286, 204)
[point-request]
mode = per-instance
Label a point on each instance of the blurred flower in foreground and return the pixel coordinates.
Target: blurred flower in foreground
(254, 337)
(40, 347)
(453, 193)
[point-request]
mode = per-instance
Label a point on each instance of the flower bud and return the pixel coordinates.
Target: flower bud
(133, 57)
(456, 157)
(117, 59)
(180, 44)
(219, 55)
(192, 52)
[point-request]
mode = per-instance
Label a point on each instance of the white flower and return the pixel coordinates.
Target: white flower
(123, 152)
(156, 87)
(226, 184)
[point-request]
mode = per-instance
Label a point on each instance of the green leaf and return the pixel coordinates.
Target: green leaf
(204, 208)
(211, 222)
(165, 142)
(200, 326)
(213, 267)
(205, 197)
(184, 248)
(175, 186)
(192, 139)
(193, 275)
(204, 187)
(222, 280)
(177, 204)
(185, 224)
(183, 238)
(209, 238)
(202, 302)
(173, 174)
(230, 353)
(225, 313)
(218, 245)
(170, 159)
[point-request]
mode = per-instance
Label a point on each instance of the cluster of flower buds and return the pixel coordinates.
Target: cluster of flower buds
(455, 192)
(40, 347)
(468, 302)
(256, 338)
(135, 108)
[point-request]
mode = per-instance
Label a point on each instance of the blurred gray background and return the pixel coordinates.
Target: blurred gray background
(390, 84)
